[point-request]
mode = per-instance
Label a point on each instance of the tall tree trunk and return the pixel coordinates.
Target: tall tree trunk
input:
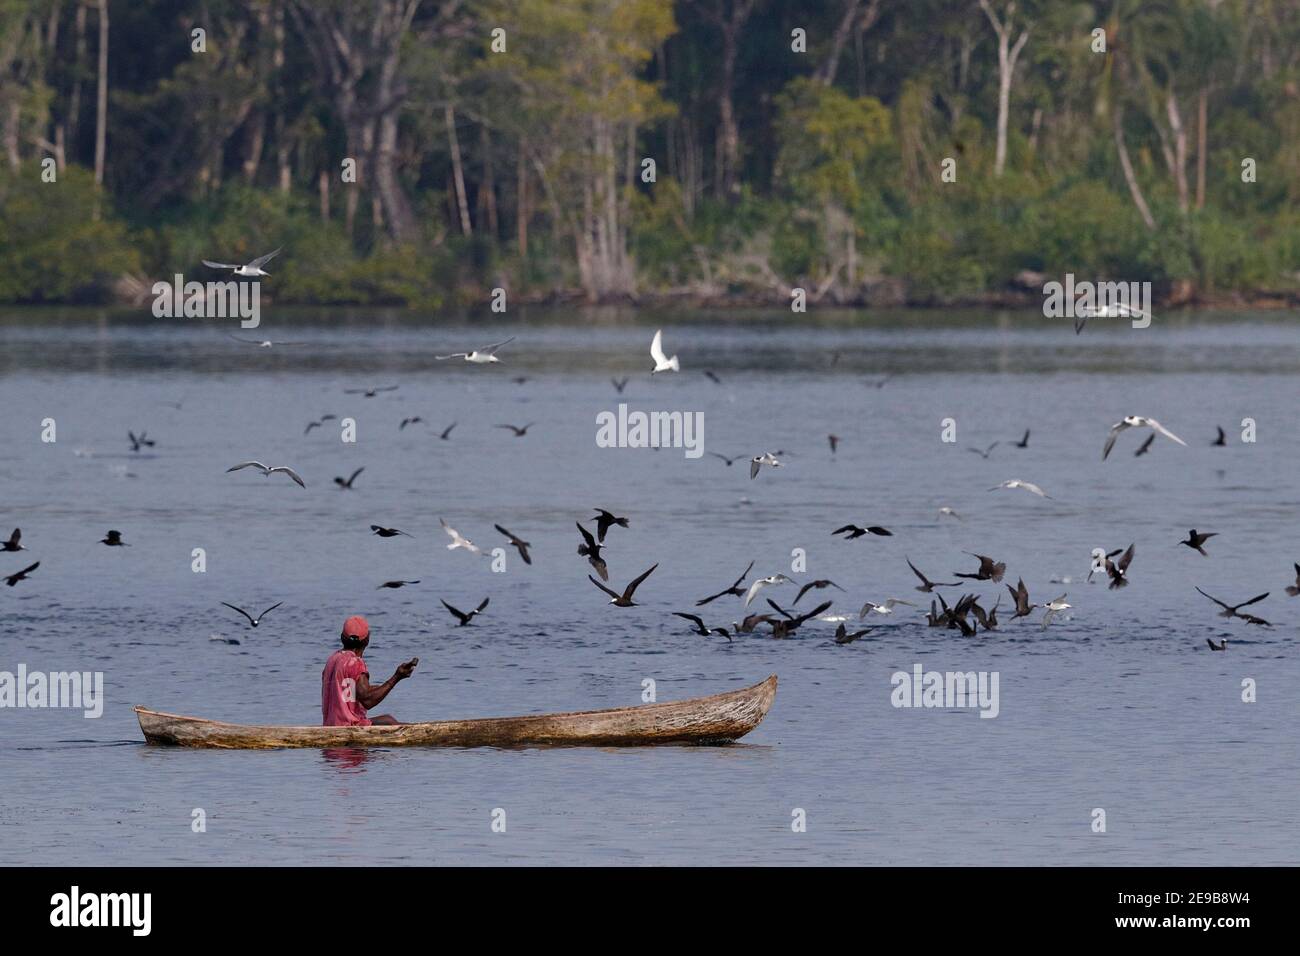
(487, 194)
(323, 189)
(1008, 54)
(1202, 118)
(457, 171)
(1179, 151)
(101, 99)
(74, 99)
(1134, 189)
(521, 199)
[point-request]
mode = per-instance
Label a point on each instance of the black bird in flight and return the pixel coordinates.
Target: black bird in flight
(395, 584)
(1024, 442)
(447, 431)
(1118, 570)
(414, 420)
(370, 392)
(139, 442)
(843, 636)
(624, 599)
(1195, 540)
(784, 628)
(254, 621)
(1020, 594)
(1231, 610)
(347, 485)
(851, 531)
(815, 584)
(114, 540)
(387, 532)
(591, 550)
(735, 589)
(12, 544)
(988, 619)
(834, 442)
(462, 616)
(985, 453)
(619, 384)
(519, 432)
(1145, 446)
(1292, 589)
(604, 521)
(927, 585)
(14, 578)
(1221, 440)
(989, 571)
(700, 629)
(520, 545)
(726, 459)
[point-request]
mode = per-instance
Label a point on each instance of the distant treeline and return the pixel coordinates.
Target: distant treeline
(426, 151)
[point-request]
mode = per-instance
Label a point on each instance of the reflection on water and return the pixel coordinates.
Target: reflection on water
(1118, 704)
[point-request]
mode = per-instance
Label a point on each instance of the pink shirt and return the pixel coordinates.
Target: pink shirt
(339, 706)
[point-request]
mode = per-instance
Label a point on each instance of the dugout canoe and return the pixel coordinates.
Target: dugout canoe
(718, 719)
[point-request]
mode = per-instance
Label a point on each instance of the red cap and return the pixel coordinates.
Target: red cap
(356, 626)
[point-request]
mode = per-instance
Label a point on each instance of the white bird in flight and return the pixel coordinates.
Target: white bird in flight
(458, 541)
(479, 356)
(763, 582)
(758, 461)
(662, 362)
(1021, 483)
(254, 268)
(1136, 421)
(268, 470)
(261, 343)
(886, 608)
(1053, 606)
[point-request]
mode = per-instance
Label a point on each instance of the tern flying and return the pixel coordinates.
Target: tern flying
(520, 545)
(463, 617)
(662, 362)
(1020, 483)
(457, 541)
(1053, 607)
(268, 470)
(479, 356)
(985, 453)
(764, 582)
(1136, 421)
(758, 461)
(1196, 539)
(887, 608)
(624, 599)
(253, 268)
(735, 588)
(254, 621)
(1221, 646)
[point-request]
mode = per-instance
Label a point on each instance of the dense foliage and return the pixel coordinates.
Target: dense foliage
(861, 149)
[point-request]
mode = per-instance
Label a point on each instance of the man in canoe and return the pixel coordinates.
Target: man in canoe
(345, 689)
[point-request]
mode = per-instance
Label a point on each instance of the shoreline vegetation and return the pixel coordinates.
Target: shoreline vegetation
(698, 153)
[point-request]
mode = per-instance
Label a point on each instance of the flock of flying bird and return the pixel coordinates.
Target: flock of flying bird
(783, 622)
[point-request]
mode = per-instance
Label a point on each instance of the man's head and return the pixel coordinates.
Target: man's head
(356, 633)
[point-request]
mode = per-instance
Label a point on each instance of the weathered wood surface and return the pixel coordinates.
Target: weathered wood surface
(720, 718)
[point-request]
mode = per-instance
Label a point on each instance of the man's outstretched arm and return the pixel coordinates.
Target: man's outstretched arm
(370, 695)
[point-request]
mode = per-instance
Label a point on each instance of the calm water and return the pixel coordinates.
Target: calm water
(1118, 705)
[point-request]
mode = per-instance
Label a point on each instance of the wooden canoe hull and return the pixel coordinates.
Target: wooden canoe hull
(720, 718)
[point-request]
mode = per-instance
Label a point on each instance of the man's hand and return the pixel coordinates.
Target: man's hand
(404, 670)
